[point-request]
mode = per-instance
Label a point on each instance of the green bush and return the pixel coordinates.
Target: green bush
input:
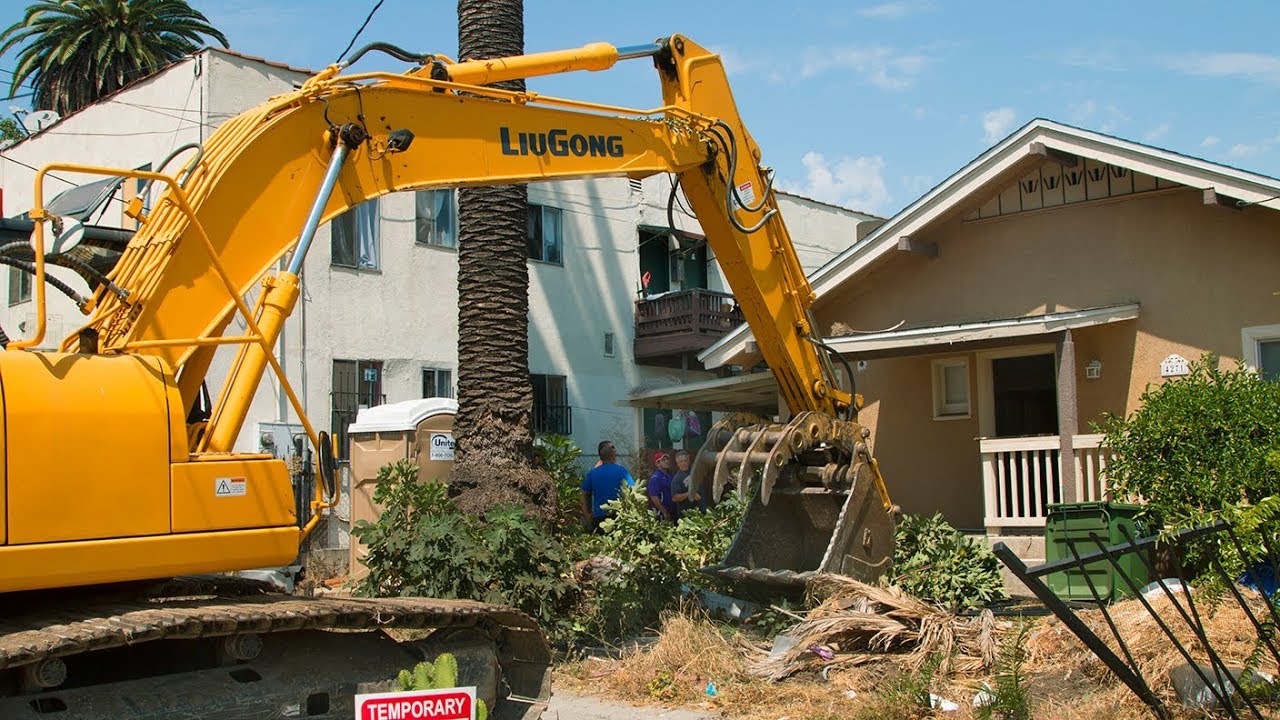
(559, 457)
(934, 562)
(1199, 446)
(657, 558)
(422, 546)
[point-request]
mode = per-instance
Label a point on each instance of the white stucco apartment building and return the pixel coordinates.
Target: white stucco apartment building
(378, 319)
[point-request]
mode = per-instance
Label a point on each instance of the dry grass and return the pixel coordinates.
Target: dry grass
(880, 636)
(859, 623)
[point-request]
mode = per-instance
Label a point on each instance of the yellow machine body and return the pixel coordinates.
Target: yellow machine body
(97, 486)
(104, 480)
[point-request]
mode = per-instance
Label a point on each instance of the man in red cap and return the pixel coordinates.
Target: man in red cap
(660, 488)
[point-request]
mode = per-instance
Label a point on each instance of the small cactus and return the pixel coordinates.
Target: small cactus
(441, 674)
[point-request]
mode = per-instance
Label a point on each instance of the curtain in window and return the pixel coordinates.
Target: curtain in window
(551, 235)
(342, 240)
(366, 222)
(434, 211)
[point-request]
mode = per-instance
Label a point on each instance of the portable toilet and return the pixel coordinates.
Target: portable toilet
(416, 430)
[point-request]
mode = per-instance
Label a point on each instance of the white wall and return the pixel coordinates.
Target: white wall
(405, 313)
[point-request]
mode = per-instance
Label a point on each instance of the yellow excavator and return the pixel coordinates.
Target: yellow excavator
(120, 492)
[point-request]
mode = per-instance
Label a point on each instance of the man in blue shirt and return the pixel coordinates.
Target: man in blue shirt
(602, 484)
(660, 488)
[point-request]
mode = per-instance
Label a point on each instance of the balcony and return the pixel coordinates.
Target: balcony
(687, 321)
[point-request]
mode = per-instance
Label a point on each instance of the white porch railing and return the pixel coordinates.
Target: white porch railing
(1021, 477)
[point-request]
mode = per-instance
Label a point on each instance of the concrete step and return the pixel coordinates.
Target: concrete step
(1029, 548)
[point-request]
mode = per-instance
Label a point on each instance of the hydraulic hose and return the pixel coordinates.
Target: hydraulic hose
(60, 286)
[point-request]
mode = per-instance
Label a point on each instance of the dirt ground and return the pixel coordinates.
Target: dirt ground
(567, 705)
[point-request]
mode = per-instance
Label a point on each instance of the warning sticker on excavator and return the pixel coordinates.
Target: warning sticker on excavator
(230, 487)
(448, 704)
(747, 193)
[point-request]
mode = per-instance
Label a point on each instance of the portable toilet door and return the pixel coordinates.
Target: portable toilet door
(417, 430)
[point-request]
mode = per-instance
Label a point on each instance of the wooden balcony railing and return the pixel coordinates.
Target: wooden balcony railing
(684, 321)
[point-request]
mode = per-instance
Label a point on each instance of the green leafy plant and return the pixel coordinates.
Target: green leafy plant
(438, 675)
(656, 558)
(422, 546)
(907, 695)
(934, 562)
(1010, 699)
(1199, 447)
(560, 457)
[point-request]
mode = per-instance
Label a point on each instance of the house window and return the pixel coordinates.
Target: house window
(435, 220)
(551, 412)
(437, 383)
(354, 236)
(545, 234)
(608, 344)
(357, 384)
(950, 389)
(1261, 347)
(19, 286)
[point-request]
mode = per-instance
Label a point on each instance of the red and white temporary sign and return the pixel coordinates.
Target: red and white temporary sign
(450, 704)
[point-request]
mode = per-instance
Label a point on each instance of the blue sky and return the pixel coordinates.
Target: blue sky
(869, 104)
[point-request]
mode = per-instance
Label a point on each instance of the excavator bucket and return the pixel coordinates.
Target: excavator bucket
(819, 506)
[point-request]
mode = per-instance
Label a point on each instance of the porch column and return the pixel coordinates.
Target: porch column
(1068, 416)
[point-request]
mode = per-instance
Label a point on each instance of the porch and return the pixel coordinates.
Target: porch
(1022, 476)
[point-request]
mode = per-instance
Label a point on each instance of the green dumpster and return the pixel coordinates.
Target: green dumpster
(1076, 522)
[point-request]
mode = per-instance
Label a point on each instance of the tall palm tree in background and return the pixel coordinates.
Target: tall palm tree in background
(76, 51)
(495, 460)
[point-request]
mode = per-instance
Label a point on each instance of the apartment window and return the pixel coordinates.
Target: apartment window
(357, 384)
(354, 235)
(551, 411)
(608, 344)
(950, 389)
(19, 286)
(437, 383)
(1261, 347)
(435, 219)
(545, 241)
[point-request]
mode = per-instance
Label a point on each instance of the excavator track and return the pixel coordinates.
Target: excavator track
(817, 501)
(243, 653)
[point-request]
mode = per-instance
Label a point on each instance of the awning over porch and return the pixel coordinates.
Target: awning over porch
(898, 342)
(755, 392)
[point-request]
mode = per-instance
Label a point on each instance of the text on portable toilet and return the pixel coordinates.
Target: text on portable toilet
(442, 445)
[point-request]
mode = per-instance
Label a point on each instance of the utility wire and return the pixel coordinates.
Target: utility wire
(362, 27)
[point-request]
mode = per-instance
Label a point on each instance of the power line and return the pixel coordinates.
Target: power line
(362, 27)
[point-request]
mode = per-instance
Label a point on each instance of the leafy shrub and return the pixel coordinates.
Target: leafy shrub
(1198, 446)
(422, 546)
(657, 558)
(559, 457)
(934, 562)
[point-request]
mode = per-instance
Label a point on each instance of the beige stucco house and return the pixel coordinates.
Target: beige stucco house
(1046, 283)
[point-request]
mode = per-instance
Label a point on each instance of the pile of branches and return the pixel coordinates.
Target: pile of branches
(857, 623)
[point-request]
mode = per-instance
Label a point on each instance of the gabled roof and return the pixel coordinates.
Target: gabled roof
(994, 164)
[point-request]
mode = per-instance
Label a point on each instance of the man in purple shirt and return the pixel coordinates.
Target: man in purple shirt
(660, 488)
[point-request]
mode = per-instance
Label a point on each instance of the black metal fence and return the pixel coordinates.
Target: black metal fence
(552, 419)
(1228, 688)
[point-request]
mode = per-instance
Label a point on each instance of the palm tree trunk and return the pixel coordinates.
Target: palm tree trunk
(495, 461)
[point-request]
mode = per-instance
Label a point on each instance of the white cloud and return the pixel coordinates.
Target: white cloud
(734, 63)
(1210, 141)
(892, 10)
(854, 182)
(1082, 112)
(1156, 133)
(1248, 66)
(1246, 150)
(997, 123)
(883, 67)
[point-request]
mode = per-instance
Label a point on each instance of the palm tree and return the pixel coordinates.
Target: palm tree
(76, 51)
(495, 461)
